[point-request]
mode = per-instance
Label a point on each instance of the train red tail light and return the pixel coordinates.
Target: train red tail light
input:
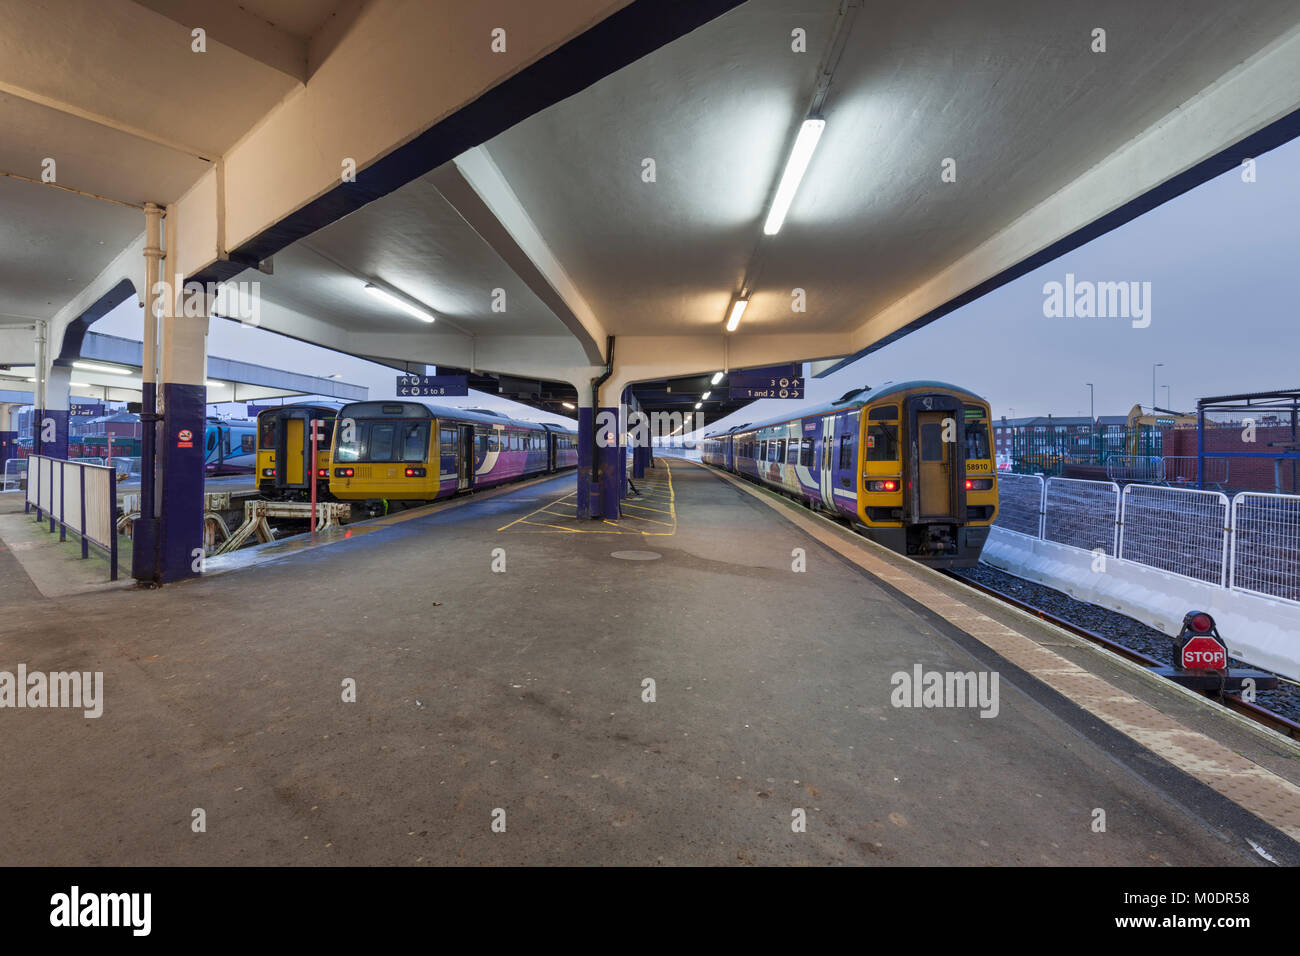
(322, 472)
(415, 473)
(891, 486)
(969, 484)
(888, 484)
(343, 472)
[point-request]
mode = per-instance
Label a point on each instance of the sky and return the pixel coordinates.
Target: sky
(1222, 260)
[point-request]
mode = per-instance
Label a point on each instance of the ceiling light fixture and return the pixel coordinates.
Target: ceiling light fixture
(698, 404)
(804, 145)
(717, 377)
(211, 384)
(705, 396)
(96, 367)
(568, 404)
(393, 299)
(737, 310)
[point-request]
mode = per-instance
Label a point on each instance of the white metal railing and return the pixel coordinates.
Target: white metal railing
(1250, 543)
(1143, 468)
(1020, 504)
(1180, 530)
(1082, 513)
(15, 474)
(76, 497)
(1265, 553)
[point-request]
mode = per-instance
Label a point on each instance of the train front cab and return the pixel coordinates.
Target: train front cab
(384, 451)
(284, 451)
(931, 494)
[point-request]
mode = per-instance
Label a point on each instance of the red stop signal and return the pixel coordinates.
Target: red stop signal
(1204, 654)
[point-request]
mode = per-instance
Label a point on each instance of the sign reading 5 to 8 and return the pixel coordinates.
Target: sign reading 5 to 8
(411, 386)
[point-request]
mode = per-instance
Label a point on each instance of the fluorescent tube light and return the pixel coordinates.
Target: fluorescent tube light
(804, 145)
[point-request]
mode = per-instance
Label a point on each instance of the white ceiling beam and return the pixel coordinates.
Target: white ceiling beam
(244, 32)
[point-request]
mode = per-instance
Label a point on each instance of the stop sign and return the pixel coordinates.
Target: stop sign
(1204, 654)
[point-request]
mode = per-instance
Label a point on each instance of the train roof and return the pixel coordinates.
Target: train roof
(858, 396)
(480, 415)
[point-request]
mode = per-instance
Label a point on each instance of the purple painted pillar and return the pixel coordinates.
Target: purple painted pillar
(586, 459)
(180, 458)
(609, 464)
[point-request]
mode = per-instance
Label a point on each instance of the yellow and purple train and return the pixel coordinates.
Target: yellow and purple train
(910, 465)
(402, 451)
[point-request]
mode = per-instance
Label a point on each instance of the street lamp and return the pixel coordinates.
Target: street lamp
(1153, 385)
(1092, 416)
(1169, 402)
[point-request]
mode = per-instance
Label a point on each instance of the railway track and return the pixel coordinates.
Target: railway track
(1255, 712)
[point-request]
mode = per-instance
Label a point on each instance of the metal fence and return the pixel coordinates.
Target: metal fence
(76, 497)
(1251, 543)
(1265, 554)
(1083, 514)
(1144, 468)
(1176, 529)
(15, 474)
(1020, 503)
(1181, 470)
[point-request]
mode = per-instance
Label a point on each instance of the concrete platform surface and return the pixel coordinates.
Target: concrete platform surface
(519, 695)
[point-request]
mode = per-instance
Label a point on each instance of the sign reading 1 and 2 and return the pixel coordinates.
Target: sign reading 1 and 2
(777, 381)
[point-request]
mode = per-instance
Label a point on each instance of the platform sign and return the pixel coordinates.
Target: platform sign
(419, 386)
(776, 381)
(252, 411)
(86, 409)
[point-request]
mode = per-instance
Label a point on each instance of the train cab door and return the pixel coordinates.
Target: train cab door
(938, 433)
(294, 452)
(465, 460)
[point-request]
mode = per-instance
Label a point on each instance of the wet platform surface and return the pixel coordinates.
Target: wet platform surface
(501, 667)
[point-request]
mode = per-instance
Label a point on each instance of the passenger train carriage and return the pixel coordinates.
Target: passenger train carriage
(284, 462)
(909, 464)
(412, 452)
(229, 447)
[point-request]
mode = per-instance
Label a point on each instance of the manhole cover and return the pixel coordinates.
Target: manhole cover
(636, 555)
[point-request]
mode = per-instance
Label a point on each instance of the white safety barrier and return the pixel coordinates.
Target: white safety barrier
(76, 497)
(1177, 549)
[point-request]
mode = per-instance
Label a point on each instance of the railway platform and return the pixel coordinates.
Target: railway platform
(725, 678)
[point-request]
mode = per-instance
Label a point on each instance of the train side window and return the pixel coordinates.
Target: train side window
(806, 452)
(846, 451)
(792, 453)
(882, 442)
(932, 442)
(447, 441)
(247, 443)
(493, 441)
(380, 447)
(779, 454)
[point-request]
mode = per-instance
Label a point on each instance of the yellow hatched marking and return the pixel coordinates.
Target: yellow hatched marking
(657, 490)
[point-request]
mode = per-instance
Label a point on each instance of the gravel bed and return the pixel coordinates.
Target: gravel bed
(1118, 628)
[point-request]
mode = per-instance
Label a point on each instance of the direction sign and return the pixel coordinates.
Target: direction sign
(776, 391)
(415, 386)
(775, 376)
(86, 409)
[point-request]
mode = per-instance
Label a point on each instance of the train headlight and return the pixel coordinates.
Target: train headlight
(415, 473)
(343, 472)
(268, 472)
(979, 484)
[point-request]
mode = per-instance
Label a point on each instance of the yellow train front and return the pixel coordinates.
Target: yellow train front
(909, 464)
(284, 462)
(387, 452)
